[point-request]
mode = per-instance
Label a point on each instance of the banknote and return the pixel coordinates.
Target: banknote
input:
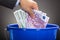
(25, 21)
(20, 16)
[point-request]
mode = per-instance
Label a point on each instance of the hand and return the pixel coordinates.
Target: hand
(28, 5)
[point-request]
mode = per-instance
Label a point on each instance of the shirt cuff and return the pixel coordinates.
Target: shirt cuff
(17, 3)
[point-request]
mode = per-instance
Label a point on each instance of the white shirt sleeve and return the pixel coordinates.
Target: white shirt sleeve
(17, 3)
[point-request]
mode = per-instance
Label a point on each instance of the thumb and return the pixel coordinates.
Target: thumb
(31, 13)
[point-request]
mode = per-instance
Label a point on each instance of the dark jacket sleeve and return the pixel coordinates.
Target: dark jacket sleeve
(8, 3)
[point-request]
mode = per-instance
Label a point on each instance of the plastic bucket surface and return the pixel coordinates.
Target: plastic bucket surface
(49, 33)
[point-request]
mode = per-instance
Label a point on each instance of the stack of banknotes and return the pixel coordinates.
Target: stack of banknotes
(25, 21)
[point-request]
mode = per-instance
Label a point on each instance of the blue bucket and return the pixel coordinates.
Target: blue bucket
(49, 33)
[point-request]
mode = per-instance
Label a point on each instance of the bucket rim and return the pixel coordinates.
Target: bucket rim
(8, 27)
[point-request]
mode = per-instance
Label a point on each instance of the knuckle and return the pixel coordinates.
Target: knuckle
(35, 3)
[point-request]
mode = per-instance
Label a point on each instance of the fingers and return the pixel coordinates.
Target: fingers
(28, 6)
(35, 6)
(30, 9)
(30, 12)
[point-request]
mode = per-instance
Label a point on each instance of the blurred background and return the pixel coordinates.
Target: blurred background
(51, 7)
